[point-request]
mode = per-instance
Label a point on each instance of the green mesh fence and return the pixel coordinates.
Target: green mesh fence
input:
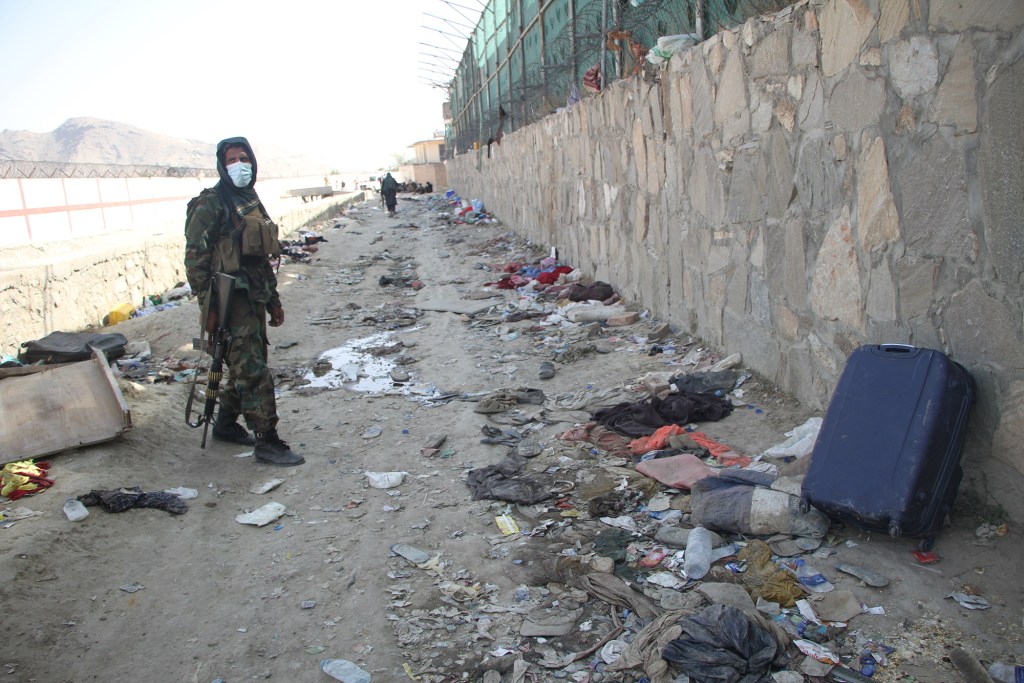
(525, 56)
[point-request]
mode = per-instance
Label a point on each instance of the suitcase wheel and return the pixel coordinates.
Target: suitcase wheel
(895, 529)
(926, 543)
(805, 506)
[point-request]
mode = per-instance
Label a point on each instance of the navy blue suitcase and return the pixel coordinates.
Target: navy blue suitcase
(887, 457)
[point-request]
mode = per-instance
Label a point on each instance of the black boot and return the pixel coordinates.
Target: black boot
(270, 450)
(226, 428)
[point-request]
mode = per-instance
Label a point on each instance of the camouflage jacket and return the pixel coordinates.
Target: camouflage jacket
(208, 235)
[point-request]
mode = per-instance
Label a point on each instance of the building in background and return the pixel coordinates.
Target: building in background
(428, 165)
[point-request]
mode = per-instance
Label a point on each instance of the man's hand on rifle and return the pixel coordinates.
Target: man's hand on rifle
(277, 316)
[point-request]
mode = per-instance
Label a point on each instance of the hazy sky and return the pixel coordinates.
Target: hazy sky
(338, 79)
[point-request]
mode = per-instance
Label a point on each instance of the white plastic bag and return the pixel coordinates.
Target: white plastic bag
(385, 480)
(800, 442)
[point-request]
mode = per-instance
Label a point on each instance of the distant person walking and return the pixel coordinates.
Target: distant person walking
(389, 189)
(227, 230)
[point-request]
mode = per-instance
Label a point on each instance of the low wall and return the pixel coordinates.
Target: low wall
(72, 284)
(839, 173)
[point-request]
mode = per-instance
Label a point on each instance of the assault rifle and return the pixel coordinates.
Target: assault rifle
(223, 285)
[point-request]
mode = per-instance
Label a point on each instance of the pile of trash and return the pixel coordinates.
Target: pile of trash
(466, 211)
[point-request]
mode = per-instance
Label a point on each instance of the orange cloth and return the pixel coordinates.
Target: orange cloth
(725, 455)
(657, 440)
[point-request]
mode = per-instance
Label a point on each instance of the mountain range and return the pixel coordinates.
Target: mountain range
(87, 140)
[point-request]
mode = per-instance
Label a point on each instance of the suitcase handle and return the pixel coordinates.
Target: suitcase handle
(897, 350)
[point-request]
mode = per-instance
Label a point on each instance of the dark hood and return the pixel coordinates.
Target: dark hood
(241, 199)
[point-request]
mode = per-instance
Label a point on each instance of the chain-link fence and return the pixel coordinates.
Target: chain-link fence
(525, 57)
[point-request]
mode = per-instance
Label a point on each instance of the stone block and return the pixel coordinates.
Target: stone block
(703, 102)
(1001, 175)
(804, 48)
(836, 290)
(775, 173)
(881, 299)
(785, 113)
(877, 219)
(746, 201)
(961, 15)
(1009, 435)
(934, 190)
(706, 188)
(811, 114)
(818, 178)
(786, 323)
(956, 101)
(845, 25)
(771, 54)
(857, 101)
(913, 66)
(785, 272)
(731, 99)
(982, 329)
(917, 277)
(892, 17)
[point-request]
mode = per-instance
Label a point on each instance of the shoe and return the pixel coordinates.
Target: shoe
(547, 370)
(226, 428)
(533, 396)
(270, 450)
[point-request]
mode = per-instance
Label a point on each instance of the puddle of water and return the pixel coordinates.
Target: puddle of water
(353, 367)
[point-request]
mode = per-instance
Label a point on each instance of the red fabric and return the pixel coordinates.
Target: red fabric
(550, 277)
(40, 481)
(656, 441)
(512, 267)
(725, 455)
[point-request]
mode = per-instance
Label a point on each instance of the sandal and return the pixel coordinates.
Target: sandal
(497, 402)
(547, 370)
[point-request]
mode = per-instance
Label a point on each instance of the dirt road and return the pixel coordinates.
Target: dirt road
(146, 595)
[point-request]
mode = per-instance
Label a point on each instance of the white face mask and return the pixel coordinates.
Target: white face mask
(240, 173)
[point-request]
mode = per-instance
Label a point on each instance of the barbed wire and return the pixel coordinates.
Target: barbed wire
(14, 168)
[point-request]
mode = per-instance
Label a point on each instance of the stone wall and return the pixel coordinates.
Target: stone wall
(839, 173)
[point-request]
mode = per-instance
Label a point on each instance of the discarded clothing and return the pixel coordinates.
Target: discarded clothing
(503, 482)
(23, 478)
(656, 441)
(678, 471)
(645, 417)
(723, 644)
(725, 455)
(119, 500)
(739, 501)
(605, 439)
(550, 277)
(595, 291)
(717, 383)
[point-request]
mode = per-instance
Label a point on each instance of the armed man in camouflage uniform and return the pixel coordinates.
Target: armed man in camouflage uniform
(228, 230)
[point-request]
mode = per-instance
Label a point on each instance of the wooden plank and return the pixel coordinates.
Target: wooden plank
(70, 405)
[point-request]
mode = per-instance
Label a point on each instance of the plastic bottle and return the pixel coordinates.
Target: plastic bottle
(344, 670)
(697, 560)
(1006, 673)
(74, 510)
(811, 578)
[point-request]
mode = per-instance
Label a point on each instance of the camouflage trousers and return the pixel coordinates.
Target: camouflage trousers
(249, 385)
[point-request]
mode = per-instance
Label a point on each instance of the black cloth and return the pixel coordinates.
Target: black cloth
(595, 291)
(390, 199)
(119, 500)
(723, 645)
(646, 417)
(503, 482)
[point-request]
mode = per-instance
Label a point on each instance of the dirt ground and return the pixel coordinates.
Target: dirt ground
(220, 600)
